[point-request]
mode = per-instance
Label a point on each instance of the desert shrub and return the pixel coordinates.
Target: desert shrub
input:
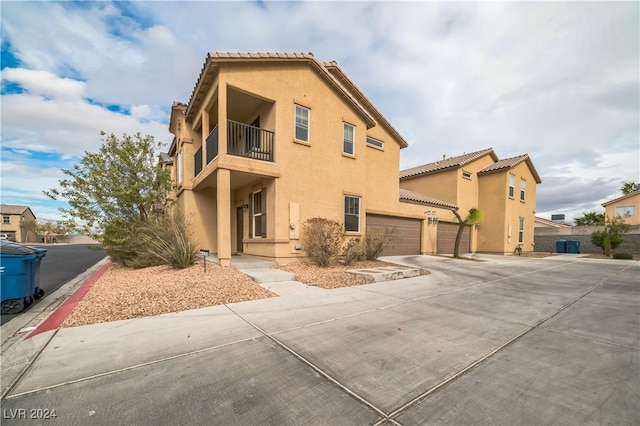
(352, 251)
(322, 239)
(376, 240)
(122, 243)
(625, 256)
(169, 241)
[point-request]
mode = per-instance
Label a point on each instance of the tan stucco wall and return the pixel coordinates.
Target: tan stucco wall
(21, 235)
(306, 180)
(610, 210)
(499, 230)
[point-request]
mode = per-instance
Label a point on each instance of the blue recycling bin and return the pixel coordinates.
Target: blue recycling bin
(573, 246)
(20, 272)
(561, 246)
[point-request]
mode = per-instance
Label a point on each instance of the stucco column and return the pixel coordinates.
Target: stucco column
(223, 202)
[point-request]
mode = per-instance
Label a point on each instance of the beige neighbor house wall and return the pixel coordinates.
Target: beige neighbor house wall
(13, 220)
(481, 180)
(264, 167)
(627, 206)
(507, 211)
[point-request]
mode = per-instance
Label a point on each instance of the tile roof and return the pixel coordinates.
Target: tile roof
(406, 195)
(629, 195)
(551, 222)
(214, 58)
(508, 163)
(337, 72)
(446, 163)
(11, 209)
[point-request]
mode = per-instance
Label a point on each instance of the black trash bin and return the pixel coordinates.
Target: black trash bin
(561, 246)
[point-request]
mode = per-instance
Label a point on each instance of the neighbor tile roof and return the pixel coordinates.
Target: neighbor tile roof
(551, 222)
(10, 209)
(406, 195)
(508, 163)
(631, 194)
(214, 58)
(446, 163)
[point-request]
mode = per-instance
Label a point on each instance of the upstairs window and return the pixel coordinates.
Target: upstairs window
(375, 143)
(351, 213)
(512, 186)
(626, 211)
(348, 146)
(6, 219)
(302, 124)
(466, 175)
(523, 186)
(179, 161)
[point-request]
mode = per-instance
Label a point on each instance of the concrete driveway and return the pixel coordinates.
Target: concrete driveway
(510, 340)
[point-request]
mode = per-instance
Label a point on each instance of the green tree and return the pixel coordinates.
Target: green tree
(610, 237)
(474, 216)
(590, 219)
(628, 187)
(116, 191)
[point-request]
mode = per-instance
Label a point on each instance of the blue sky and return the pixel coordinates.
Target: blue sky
(556, 80)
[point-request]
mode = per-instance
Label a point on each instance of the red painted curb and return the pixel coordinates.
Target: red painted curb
(63, 311)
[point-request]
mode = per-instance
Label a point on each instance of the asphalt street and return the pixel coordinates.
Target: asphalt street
(509, 340)
(61, 264)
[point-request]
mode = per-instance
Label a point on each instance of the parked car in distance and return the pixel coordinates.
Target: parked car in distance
(4, 236)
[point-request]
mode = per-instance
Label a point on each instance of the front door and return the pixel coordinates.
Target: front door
(239, 229)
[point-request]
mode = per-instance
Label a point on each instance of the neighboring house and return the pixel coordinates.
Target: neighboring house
(15, 223)
(541, 222)
(269, 140)
(627, 206)
(503, 190)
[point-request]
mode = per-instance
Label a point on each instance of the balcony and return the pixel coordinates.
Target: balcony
(248, 141)
(243, 140)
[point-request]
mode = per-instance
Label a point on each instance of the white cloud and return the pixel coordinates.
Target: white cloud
(44, 83)
(559, 81)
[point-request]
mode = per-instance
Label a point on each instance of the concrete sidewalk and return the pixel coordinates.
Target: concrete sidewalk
(504, 341)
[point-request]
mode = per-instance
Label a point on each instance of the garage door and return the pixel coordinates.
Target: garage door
(447, 238)
(406, 233)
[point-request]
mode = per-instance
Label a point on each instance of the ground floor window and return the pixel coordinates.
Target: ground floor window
(521, 231)
(351, 213)
(258, 215)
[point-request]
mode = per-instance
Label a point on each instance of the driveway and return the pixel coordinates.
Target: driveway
(511, 340)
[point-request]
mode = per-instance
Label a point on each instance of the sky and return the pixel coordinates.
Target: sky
(559, 81)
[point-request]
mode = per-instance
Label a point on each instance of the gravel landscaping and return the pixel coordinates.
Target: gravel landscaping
(123, 293)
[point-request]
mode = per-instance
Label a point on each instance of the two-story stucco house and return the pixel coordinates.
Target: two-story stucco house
(269, 140)
(503, 190)
(626, 206)
(13, 223)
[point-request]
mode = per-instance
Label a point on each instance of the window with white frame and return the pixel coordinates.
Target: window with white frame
(6, 219)
(302, 124)
(179, 167)
(626, 211)
(349, 132)
(257, 222)
(375, 142)
(512, 186)
(521, 231)
(466, 175)
(351, 213)
(523, 186)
